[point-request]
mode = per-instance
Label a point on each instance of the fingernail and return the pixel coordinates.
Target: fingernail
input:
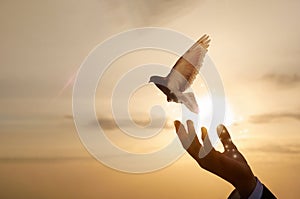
(220, 128)
(189, 122)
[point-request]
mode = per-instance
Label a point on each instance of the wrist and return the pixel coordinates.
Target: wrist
(246, 187)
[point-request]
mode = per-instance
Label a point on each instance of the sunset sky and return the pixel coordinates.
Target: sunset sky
(255, 47)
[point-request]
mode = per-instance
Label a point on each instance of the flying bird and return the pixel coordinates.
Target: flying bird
(183, 74)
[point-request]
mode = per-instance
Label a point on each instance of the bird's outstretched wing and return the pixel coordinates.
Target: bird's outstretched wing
(187, 67)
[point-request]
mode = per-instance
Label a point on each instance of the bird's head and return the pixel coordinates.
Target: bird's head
(154, 79)
(158, 80)
(161, 83)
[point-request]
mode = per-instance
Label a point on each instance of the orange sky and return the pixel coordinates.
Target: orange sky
(255, 47)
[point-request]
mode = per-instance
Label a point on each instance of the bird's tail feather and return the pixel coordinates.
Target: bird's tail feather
(189, 100)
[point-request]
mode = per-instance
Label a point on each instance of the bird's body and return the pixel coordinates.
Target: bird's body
(183, 74)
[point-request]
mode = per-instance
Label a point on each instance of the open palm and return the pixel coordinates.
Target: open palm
(229, 165)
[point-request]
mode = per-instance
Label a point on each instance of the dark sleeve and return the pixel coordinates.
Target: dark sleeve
(267, 194)
(259, 192)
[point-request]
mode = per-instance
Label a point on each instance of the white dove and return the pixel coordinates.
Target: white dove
(183, 74)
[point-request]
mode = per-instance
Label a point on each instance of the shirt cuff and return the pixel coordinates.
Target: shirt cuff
(258, 190)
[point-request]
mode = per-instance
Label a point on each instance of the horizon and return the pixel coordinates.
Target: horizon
(254, 47)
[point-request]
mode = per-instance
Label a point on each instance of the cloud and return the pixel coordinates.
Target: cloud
(282, 79)
(271, 117)
(43, 159)
(58, 159)
(278, 148)
(110, 123)
(145, 12)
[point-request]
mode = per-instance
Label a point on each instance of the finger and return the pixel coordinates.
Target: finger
(180, 130)
(203, 133)
(225, 137)
(192, 133)
(205, 138)
(181, 133)
(191, 129)
(207, 147)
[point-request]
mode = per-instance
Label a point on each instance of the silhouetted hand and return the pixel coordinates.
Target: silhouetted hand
(229, 165)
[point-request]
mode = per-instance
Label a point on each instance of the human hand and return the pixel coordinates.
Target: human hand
(229, 165)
